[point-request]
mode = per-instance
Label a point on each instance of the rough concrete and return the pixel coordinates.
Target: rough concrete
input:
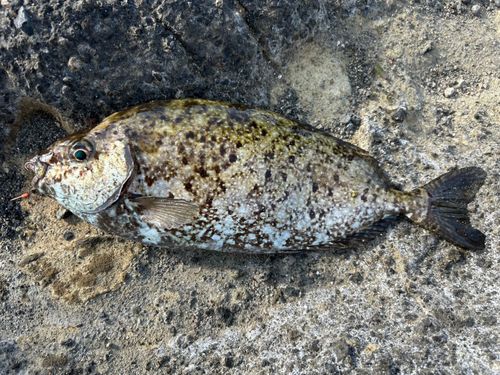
(74, 300)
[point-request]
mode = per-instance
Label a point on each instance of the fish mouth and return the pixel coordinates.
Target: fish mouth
(38, 167)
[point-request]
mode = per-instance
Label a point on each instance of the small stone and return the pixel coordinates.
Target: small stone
(497, 3)
(341, 350)
(344, 119)
(63, 213)
(460, 83)
(136, 310)
(235, 274)
(23, 21)
(228, 361)
(449, 92)
(75, 64)
(399, 115)
(68, 236)
(427, 47)
(68, 343)
(476, 9)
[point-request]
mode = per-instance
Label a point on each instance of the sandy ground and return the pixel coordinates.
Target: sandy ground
(75, 300)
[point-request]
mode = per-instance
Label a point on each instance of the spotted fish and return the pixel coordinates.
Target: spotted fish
(220, 176)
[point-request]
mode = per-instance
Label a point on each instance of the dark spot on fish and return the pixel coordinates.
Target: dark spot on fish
(283, 175)
(181, 149)
(222, 150)
(134, 134)
(190, 134)
(163, 118)
(222, 186)
(203, 139)
(171, 196)
(233, 158)
(321, 215)
(330, 192)
(217, 169)
(230, 212)
(291, 159)
(315, 187)
(291, 143)
(149, 180)
(188, 186)
(273, 206)
(115, 132)
(268, 174)
(179, 119)
(336, 178)
(230, 123)
(202, 171)
(375, 196)
(312, 215)
(368, 182)
(185, 160)
(308, 167)
(253, 125)
(363, 197)
(264, 132)
(269, 155)
(238, 144)
(262, 208)
(159, 142)
(213, 139)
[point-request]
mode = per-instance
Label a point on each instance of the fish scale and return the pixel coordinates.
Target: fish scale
(219, 176)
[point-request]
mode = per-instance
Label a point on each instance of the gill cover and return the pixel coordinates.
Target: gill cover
(86, 172)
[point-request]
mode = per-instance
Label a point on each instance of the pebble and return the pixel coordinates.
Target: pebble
(344, 119)
(75, 64)
(460, 83)
(235, 274)
(63, 213)
(68, 236)
(399, 115)
(23, 21)
(476, 9)
(449, 92)
(497, 3)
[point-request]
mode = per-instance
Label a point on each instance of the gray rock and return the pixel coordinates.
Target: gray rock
(476, 9)
(449, 92)
(345, 118)
(399, 115)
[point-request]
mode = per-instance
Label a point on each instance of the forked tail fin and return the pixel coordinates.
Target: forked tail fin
(447, 214)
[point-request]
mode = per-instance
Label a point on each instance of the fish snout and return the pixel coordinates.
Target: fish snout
(38, 167)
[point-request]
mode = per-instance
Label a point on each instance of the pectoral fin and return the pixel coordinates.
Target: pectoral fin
(166, 213)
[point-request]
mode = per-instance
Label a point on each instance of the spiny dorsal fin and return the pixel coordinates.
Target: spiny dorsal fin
(166, 213)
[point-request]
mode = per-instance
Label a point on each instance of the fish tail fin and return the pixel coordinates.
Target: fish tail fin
(447, 214)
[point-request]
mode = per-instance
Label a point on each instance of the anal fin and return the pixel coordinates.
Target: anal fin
(360, 237)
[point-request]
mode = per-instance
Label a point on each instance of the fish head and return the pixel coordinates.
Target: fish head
(84, 172)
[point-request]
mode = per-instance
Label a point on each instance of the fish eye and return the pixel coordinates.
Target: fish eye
(82, 150)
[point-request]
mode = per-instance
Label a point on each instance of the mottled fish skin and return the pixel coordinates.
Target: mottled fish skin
(240, 180)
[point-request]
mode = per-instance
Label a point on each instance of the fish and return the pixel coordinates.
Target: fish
(201, 174)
